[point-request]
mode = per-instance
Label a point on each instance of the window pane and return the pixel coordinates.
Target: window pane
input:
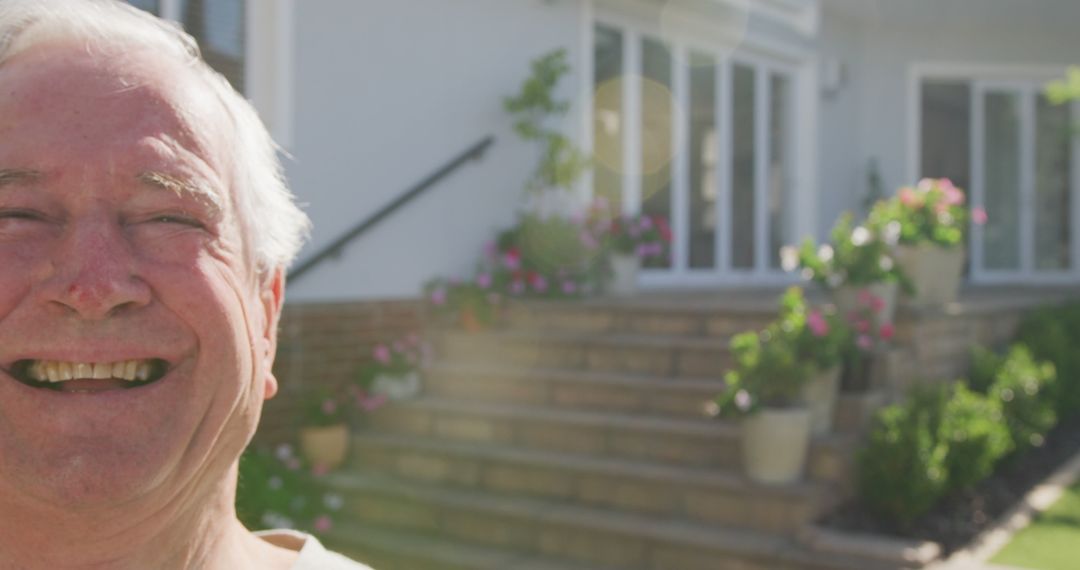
(608, 115)
(152, 6)
(656, 103)
(946, 132)
(218, 25)
(781, 213)
(1001, 172)
(742, 171)
(1052, 173)
(704, 156)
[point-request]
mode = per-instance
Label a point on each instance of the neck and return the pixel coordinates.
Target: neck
(193, 530)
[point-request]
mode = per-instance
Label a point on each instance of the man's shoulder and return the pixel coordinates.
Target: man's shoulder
(313, 555)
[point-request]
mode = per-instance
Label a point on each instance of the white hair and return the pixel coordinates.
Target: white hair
(274, 228)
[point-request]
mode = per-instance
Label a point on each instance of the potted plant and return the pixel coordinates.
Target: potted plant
(394, 369)
(868, 336)
(820, 336)
(473, 306)
(765, 392)
(324, 432)
(931, 219)
(278, 489)
(630, 240)
(859, 258)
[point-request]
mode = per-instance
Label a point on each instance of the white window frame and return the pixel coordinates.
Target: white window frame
(268, 60)
(766, 58)
(1026, 81)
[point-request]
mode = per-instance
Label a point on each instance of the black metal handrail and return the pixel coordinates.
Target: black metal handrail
(475, 152)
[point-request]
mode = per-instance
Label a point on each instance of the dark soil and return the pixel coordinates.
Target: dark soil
(958, 518)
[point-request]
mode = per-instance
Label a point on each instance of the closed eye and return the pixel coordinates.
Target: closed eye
(178, 219)
(21, 214)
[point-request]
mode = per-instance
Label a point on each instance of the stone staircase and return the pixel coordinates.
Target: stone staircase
(574, 437)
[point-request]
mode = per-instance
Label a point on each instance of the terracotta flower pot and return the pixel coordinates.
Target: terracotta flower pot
(935, 272)
(820, 395)
(325, 446)
(775, 443)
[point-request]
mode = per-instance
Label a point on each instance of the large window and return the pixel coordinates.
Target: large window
(703, 137)
(218, 26)
(1014, 151)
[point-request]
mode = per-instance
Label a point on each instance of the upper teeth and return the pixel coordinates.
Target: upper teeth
(56, 371)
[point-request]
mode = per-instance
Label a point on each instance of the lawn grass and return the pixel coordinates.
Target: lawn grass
(1052, 541)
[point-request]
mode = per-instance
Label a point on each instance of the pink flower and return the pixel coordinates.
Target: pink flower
(539, 283)
(862, 325)
(293, 463)
(438, 296)
(483, 280)
(412, 339)
(569, 287)
(323, 524)
(512, 259)
(818, 325)
(953, 195)
(320, 469)
(329, 406)
(864, 342)
(372, 403)
(978, 215)
(877, 304)
(887, 331)
(490, 250)
(382, 354)
(909, 198)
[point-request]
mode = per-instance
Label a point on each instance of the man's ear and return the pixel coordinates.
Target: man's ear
(271, 296)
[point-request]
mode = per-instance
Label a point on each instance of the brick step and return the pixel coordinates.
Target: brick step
(690, 443)
(657, 355)
(703, 495)
(586, 537)
(572, 389)
(640, 316)
(383, 549)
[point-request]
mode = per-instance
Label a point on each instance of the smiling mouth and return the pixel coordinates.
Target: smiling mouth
(89, 377)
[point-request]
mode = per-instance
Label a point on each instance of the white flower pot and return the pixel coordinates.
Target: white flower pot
(935, 272)
(846, 299)
(775, 443)
(397, 388)
(625, 269)
(820, 395)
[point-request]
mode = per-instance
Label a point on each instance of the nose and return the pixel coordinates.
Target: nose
(95, 273)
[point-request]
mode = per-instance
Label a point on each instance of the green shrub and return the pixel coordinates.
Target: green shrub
(902, 470)
(976, 437)
(1026, 388)
(1053, 334)
(276, 489)
(985, 364)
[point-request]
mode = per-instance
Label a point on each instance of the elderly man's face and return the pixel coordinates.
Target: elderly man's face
(121, 258)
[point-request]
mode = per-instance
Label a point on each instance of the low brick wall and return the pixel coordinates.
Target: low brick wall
(325, 344)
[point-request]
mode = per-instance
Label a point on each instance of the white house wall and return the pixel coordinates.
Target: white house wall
(385, 93)
(887, 39)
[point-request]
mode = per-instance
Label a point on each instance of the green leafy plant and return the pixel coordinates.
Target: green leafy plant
(277, 489)
(1052, 334)
(641, 235)
(985, 364)
(773, 365)
(867, 338)
(1025, 388)
(972, 427)
(902, 469)
(534, 107)
(320, 407)
(933, 211)
(856, 256)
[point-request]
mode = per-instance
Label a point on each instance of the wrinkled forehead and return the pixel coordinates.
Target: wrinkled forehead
(93, 101)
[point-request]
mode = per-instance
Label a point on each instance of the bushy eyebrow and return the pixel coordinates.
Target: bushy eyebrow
(182, 187)
(16, 175)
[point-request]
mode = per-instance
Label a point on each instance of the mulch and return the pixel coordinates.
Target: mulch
(959, 518)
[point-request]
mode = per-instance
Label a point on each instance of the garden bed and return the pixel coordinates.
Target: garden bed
(957, 519)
